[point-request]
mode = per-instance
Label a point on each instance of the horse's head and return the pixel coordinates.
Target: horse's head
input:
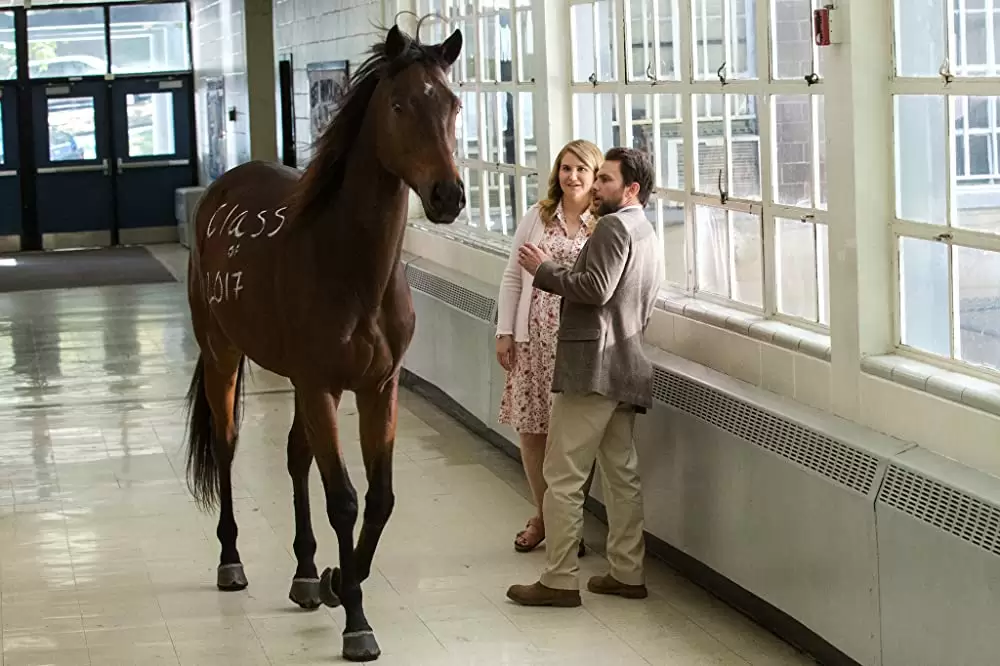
(415, 113)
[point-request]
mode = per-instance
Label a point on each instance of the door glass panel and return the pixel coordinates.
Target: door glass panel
(150, 124)
(66, 42)
(71, 129)
(8, 50)
(149, 38)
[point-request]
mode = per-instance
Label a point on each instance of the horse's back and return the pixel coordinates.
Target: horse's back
(249, 185)
(237, 253)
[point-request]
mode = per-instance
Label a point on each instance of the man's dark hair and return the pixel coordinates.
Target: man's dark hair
(636, 167)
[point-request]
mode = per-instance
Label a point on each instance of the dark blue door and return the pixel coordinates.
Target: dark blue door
(72, 152)
(152, 147)
(10, 172)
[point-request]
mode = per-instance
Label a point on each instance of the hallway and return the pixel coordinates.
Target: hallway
(105, 560)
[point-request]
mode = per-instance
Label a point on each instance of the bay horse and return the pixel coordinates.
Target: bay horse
(303, 276)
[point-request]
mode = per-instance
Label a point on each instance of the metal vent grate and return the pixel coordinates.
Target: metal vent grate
(466, 300)
(830, 458)
(966, 517)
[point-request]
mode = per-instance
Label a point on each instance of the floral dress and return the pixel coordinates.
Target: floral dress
(527, 396)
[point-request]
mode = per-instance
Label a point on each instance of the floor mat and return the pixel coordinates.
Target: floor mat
(66, 269)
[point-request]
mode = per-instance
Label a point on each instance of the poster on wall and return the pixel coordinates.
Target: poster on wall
(327, 85)
(215, 103)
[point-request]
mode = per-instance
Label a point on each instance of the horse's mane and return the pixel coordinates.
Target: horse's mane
(325, 174)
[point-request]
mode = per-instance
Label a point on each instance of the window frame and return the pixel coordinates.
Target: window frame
(477, 173)
(951, 84)
(688, 87)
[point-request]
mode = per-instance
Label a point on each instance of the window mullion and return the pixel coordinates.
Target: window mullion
(814, 151)
(727, 46)
(991, 60)
(949, 34)
(767, 156)
(949, 149)
(654, 56)
(727, 142)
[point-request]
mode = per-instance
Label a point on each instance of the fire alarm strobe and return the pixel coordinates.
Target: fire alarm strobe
(825, 28)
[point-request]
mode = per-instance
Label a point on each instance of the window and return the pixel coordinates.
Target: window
(738, 145)
(66, 42)
(148, 38)
(947, 173)
(150, 119)
(8, 49)
(72, 129)
(497, 150)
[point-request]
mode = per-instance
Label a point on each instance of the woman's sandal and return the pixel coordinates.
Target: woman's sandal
(528, 547)
(521, 545)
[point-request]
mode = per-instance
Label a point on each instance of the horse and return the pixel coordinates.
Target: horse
(302, 275)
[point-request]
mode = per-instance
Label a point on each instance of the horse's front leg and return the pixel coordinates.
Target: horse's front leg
(319, 409)
(377, 412)
(305, 584)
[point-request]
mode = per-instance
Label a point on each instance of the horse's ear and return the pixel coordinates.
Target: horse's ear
(395, 42)
(451, 47)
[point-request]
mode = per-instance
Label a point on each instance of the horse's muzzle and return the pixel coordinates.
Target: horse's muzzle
(446, 201)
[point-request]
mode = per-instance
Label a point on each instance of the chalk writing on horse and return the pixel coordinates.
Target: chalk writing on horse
(224, 286)
(233, 225)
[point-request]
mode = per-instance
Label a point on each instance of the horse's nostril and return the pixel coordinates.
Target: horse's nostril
(448, 195)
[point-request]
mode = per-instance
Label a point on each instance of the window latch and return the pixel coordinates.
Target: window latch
(945, 72)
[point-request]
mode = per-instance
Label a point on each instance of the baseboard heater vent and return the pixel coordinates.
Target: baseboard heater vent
(457, 296)
(953, 511)
(838, 462)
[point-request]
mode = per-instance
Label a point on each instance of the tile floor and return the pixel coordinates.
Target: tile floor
(105, 560)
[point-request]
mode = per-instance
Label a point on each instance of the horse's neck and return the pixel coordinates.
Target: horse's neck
(366, 237)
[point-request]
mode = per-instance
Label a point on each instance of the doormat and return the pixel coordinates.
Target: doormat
(69, 269)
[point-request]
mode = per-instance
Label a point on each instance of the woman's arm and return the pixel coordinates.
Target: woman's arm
(511, 283)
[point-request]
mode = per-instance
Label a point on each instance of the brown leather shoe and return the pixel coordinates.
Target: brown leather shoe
(607, 584)
(540, 595)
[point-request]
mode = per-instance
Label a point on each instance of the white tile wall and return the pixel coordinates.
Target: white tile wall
(309, 30)
(219, 50)
(319, 31)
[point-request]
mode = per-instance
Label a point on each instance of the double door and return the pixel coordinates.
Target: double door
(108, 156)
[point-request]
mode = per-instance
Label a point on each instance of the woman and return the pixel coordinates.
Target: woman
(528, 319)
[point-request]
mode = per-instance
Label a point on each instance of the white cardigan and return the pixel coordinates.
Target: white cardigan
(514, 301)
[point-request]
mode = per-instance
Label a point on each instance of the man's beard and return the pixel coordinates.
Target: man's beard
(608, 206)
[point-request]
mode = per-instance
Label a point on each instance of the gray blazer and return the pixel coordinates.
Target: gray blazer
(607, 300)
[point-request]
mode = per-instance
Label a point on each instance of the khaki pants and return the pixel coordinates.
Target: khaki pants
(581, 429)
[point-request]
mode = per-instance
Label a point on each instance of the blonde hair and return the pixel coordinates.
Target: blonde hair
(590, 155)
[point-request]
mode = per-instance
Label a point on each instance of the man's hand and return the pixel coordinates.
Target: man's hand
(531, 257)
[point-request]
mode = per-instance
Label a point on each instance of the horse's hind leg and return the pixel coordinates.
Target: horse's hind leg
(377, 412)
(320, 411)
(226, 383)
(305, 584)
(214, 398)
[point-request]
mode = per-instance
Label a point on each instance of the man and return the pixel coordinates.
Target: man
(602, 378)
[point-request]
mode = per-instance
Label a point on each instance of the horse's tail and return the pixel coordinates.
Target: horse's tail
(202, 464)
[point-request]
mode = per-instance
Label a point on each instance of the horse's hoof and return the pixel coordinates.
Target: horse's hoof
(327, 593)
(361, 646)
(305, 593)
(231, 578)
